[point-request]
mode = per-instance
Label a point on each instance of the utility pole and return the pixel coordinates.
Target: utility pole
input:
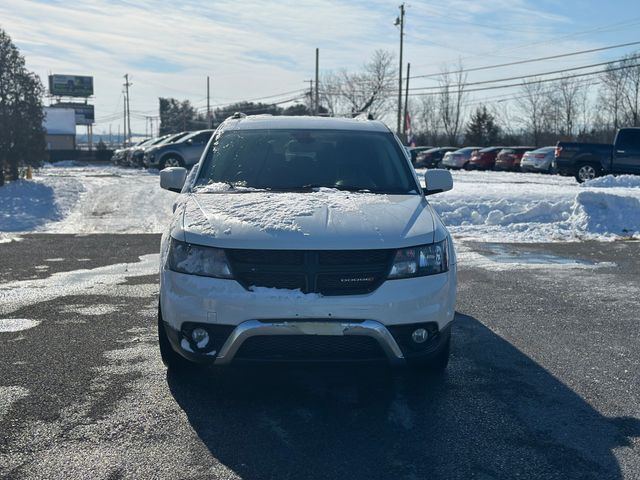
(124, 120)
(310, 93)
(126, 86)
(208, 104)
(406, 101)
(151, 125)
(400, 21)
(316, 109)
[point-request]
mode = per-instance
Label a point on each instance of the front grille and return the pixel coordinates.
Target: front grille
(327, 272)
(310, 348)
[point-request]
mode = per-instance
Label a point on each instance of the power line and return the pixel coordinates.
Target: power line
(539, 59)
(546, 80)
(520, 77)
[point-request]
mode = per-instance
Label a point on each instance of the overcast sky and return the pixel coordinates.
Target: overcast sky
(256, 49)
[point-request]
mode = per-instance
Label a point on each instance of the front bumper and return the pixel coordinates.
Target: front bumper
(233, 314)
(454, 163)
(150, 160)
(394, 343)
(535, 167)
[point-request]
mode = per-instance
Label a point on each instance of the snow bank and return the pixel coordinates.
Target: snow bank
(86, 199)
(612, 181)
(65, 163)
(512, 207)
(603, 214)
(485, 206)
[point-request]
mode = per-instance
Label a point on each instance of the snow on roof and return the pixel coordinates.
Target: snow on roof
(258, 122)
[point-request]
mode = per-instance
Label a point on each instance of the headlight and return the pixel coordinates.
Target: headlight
(197, 260)
(420, 261)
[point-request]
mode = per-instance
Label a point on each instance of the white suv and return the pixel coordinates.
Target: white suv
(305, 239)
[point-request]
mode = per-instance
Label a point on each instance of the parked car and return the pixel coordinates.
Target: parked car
(483, 159)
(539, 160)
(458, 158)
(589, 160)
(305, 239)
(415, 151)
(509, 158)
(120, 155)
(431, 158)
(183, 153)
(137, 154)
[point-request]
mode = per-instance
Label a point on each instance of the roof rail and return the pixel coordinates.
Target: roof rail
(239, 115)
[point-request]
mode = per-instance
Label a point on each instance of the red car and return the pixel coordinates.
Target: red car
(509, 158)
(483, 159)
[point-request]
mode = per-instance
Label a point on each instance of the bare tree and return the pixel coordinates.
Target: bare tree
(330, 92)
(611, 94)
(534, 107)
(428, 120)
(451, 102)
(567, 96)
(368, 91)
(631, 90)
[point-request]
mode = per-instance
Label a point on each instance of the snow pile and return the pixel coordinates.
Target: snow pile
(603, 214)
(30, 205)
(485, 206)
(87, 199)
(611, 181)
(65, 163)
(271, 211)
(513, 207)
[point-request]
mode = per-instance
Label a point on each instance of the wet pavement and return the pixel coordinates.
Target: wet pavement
(542, 383)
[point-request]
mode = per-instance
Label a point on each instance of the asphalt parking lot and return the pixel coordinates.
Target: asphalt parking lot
(543, 381)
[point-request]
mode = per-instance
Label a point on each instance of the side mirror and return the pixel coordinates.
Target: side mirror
(173, 178)
(190, 141)
(437, 181)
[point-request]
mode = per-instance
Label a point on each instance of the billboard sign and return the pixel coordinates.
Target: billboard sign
(70, 86)
(84, 113)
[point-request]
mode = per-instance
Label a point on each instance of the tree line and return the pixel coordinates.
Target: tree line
(583, 107)
(22, 140)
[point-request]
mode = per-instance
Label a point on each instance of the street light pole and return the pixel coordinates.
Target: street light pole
(400, 21)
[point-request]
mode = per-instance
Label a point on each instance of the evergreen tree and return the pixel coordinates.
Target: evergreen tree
(482, 129)
(179, 116)
(22, 136)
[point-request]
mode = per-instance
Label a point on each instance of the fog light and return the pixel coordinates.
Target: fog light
(420, 335)
(200, 337)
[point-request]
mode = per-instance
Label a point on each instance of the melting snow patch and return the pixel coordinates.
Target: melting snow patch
(16, 324)
(96, 281)
(6, 238)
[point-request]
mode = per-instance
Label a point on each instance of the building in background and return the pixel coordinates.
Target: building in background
(60, 128)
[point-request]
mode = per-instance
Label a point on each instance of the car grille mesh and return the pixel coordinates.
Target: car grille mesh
(327, 272)
(310, 348)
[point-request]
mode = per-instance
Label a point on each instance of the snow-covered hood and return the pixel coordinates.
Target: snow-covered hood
(326, 219)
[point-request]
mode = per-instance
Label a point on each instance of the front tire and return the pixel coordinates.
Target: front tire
(586, 172)
(172, 161)
(438, 364)
(171, 359)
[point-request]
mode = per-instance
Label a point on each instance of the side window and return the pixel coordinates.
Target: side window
(201, 138)
(629, 140)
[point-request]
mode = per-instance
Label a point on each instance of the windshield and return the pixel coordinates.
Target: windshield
(296, 159)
